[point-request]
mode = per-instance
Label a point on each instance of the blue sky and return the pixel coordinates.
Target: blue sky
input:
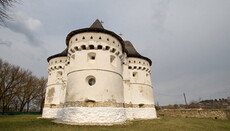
(188, 41)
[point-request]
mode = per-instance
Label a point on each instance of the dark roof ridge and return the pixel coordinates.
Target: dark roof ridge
(132, 52)
(63, 53)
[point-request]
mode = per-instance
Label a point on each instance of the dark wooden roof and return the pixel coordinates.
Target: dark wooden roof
(97, 24)
(63, 53)
(95, 27)
(132, 52)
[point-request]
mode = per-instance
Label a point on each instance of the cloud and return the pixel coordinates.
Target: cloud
(5, 43)
(25, 25)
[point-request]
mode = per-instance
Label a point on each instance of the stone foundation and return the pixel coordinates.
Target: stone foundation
(52, 112)
(93, 115)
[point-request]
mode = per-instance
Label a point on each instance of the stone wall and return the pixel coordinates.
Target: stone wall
(223, 114)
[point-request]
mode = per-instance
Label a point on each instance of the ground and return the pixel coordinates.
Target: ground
(30, 122)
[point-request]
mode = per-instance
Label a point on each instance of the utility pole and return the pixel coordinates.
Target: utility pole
(185, 100)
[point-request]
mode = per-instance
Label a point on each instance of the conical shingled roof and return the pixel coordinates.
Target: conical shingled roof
(132, 52)
(97, 24)
(63, 53)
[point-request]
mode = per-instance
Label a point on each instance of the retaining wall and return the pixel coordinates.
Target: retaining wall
(223, 114)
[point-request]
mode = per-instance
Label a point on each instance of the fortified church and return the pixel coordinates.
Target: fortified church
(98, 79)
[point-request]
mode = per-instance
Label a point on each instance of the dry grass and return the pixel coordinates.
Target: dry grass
(31, 123)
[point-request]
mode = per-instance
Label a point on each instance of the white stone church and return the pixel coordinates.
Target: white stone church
(98, 79)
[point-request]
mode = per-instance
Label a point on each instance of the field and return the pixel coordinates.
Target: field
(31, 123)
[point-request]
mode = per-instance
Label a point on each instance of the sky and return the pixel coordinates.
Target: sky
(188, 41)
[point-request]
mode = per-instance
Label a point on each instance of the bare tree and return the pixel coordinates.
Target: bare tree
(19, 89)
(4, 7)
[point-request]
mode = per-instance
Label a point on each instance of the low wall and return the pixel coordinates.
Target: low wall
(223, 114)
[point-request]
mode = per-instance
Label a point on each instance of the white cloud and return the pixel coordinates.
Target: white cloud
(26, 25)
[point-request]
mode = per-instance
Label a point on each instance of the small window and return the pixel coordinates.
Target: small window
(139, 68)
(83, 37)
(59, 74)
(91, 57)
(83, 47)
(113, 50)
(60, 60)
(72, 50)
(130, 67)
(91, 37)
(91, 46)
(107, 39)
(76, 39)
(113, 60)
(113, 42)
(91, 80)
(134, 74)
(141, 105)
(55, 61)
(147, 74)
(107, 48)
(73, 56)
(118, 53)
(134, 67)
(99, 47)
(76, 48)
(100, 38)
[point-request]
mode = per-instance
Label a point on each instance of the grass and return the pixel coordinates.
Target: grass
(31, 123)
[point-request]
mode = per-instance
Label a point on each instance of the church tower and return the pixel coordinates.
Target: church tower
(94, 92)
(98, 79)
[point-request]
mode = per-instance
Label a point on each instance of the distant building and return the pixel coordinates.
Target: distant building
(98, 79)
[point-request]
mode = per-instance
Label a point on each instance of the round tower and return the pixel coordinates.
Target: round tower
(94, 92)
(138, 90)
(56, 86)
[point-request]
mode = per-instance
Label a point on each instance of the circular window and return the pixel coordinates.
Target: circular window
(91, 80)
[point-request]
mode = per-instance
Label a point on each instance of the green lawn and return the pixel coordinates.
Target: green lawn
(31, 123)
